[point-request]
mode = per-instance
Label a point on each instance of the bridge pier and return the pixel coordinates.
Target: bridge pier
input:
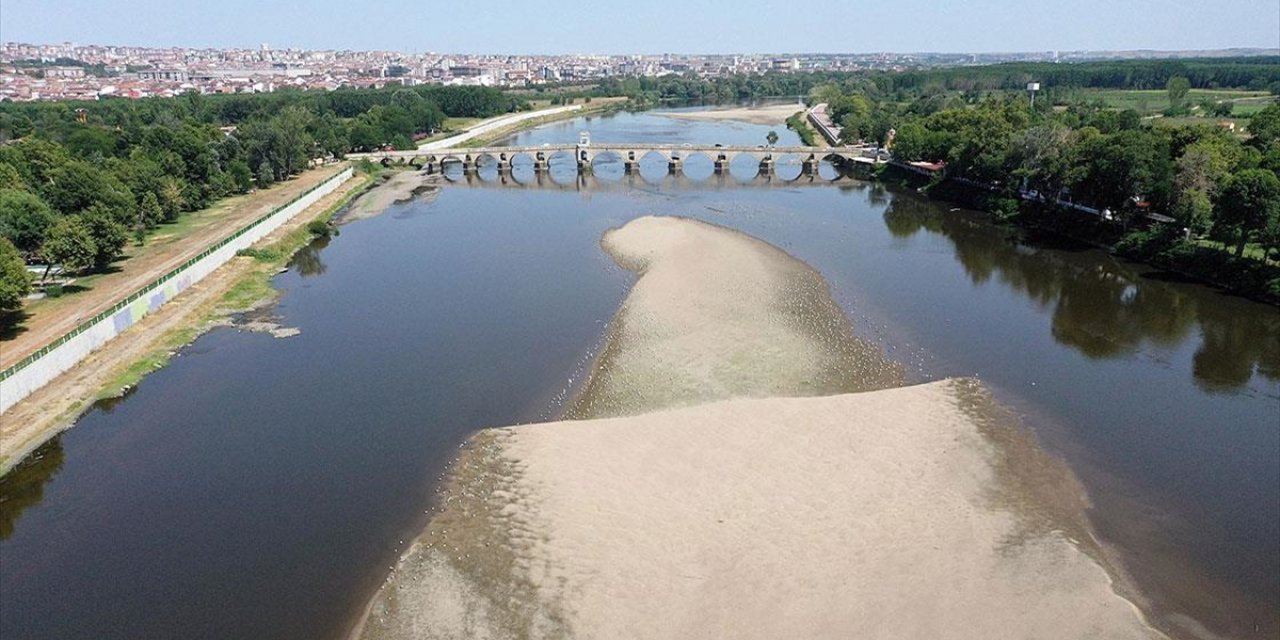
(674, 164)
(766, 166)
(540, 163)
(630, 165)
(722, 165)
(809, 167)
(429, 168)
(504, 164)
(469, 165)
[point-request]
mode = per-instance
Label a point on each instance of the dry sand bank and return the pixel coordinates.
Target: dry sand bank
(717, 314)
(401, 186)
(899, 513)
(889, 514)
(764, 114)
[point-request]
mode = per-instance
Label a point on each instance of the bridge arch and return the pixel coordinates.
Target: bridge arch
(609, 164)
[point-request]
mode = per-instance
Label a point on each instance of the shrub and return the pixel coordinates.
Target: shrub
(320, 228)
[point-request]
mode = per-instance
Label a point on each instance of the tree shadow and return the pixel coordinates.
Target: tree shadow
(23, 487)
(13, 324)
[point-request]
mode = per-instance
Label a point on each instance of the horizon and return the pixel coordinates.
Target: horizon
(986, 27)
(1248, 51)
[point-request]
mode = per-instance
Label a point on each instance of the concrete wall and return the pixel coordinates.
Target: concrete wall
(30, 374)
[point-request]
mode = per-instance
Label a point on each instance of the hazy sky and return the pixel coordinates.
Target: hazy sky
(652, 26)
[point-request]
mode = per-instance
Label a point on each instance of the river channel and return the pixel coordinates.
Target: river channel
(262, 488)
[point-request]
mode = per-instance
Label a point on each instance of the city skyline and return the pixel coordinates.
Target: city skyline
(660, 26)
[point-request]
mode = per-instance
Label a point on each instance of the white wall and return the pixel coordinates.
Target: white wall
(22, 382)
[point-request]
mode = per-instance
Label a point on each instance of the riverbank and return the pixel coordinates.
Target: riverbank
(392, 187)
(1165, 250)
(800, 124)
(170, 245)
(500, 123)
(895, 512)
(595, 107)
(237, 286)
(771, 114)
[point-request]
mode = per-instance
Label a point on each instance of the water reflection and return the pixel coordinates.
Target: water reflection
(23, 487)
(1104, 308)
(307, 260)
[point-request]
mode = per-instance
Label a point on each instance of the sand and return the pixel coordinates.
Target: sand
(401, 186)
(717, 314)
(911, 512)
(764, 114)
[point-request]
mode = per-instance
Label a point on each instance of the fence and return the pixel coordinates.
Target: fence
(39, 368)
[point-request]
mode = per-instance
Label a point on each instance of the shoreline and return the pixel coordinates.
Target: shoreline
(770, 114)
(568, 528)
(598, 106)
(570, 524)
(239, 286)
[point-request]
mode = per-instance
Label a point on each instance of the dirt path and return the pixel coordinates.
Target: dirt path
(47, 320)
(55, 406)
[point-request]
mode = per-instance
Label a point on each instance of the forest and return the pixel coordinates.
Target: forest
(78, 181)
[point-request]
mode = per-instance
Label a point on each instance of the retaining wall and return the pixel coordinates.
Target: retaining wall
(41, 367)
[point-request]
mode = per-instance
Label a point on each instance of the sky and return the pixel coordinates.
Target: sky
(652, 26)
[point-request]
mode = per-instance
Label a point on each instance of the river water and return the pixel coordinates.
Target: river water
(262, 488)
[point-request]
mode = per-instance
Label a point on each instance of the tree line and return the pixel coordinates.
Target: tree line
(78, 180)
(1213, 183)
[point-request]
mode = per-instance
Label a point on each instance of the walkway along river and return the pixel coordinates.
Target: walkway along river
(262, 488)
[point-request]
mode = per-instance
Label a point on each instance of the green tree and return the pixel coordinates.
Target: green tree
(1045, 157)
(242, 175)
(110, 234)
(10, 178)
(1248, 202)
(15, 280)
(69, 244)
(771, 137)
(172, 198)
(150, 213)
(1265, 124)
(24, 219)
(76, 185)
(1194, 210)
(1178, 88)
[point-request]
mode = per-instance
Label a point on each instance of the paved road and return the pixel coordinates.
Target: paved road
(495, 124)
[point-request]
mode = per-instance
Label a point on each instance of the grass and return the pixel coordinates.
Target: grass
(159, 240)
(1251, 250)
(1152, 101)
(800, 125)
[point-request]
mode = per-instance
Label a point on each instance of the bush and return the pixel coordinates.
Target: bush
(320, 228)
(265, 255)
(1004, 209)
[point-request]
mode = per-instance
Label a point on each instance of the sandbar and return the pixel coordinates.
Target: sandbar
(763, 114)
(748, 468)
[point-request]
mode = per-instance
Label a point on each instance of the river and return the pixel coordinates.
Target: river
(262, 488)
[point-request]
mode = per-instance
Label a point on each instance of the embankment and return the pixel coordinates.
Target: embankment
(119, 344)
(906, 512)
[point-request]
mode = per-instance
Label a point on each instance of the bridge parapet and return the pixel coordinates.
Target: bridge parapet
(584, 154)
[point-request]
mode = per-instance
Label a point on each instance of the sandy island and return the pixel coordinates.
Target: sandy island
(914, 512)
(763, 114)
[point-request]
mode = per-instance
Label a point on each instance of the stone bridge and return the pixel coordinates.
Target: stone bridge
(584, 154)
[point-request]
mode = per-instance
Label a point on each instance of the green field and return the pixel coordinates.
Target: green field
(1150, 102)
